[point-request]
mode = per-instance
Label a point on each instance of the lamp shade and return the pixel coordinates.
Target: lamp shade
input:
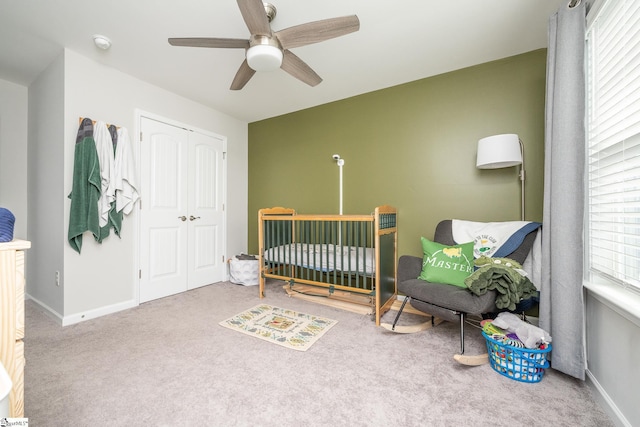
(499, 151)
(264, 57)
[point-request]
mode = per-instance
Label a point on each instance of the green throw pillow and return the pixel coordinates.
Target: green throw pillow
(446, 264)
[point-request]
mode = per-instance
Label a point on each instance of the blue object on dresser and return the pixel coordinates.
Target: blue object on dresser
(7, 220)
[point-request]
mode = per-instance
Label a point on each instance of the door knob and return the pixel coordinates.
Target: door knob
(183, 218)
(191, 217)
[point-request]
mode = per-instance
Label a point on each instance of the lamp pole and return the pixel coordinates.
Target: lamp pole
(522, 178)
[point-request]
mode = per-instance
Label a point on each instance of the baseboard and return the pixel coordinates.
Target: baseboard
(50, 312)
(98, 312)
(81, 317)
(606, 403)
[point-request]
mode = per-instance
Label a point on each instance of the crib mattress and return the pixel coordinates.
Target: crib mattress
(324, 257)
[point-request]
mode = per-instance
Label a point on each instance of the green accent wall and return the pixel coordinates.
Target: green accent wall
(412, 146)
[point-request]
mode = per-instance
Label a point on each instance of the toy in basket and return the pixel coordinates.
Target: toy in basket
(508, 356)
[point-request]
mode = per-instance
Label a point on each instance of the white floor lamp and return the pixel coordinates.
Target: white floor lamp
(502, 151)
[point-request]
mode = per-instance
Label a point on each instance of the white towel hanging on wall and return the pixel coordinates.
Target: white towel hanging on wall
(104, 147)
(125, 174)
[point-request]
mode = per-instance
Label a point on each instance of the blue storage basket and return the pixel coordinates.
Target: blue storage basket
(520, 364)
(7, 220)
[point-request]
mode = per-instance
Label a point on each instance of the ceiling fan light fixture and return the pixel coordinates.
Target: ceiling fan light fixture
(267, 50)
(264, 57)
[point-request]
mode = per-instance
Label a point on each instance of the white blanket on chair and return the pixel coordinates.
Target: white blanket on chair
(492, 239)
(500, 239)
(533, 263)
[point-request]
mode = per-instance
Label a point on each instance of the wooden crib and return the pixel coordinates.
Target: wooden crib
(351, 255)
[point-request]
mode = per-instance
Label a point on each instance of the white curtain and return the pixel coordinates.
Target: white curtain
(561, 296)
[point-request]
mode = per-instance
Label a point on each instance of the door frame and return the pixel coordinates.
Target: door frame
(135, 140)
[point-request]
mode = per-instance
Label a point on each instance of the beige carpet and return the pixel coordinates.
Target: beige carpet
(168, 362)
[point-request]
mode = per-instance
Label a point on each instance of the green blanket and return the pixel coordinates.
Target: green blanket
(502, 275)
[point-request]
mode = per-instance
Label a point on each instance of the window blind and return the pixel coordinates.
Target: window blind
(613, 138)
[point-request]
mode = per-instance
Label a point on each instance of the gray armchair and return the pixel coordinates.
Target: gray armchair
(447, 302)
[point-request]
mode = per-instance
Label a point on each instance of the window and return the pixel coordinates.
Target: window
(613, 138)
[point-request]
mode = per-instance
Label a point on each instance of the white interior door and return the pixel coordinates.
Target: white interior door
(182, 215)
(163, 239)
(206, 210)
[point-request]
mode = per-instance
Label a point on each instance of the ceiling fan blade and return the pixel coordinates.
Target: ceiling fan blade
(243, 75)
(299, 69)
(317, 31)
(255, 17)
(210, 42)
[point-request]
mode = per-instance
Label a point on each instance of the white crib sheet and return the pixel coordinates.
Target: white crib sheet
(325, 257)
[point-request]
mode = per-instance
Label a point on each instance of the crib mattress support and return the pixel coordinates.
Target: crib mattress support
(343, 302)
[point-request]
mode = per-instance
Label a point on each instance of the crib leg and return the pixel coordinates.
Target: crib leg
(393, 327)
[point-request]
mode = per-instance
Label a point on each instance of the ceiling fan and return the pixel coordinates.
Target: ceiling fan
(268, 50)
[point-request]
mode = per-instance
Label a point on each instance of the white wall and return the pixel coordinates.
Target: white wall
(13, 153)
(103, 278)
(613, 346)
(45, 187)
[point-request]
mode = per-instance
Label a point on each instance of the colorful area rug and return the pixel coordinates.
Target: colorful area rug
(287, 328)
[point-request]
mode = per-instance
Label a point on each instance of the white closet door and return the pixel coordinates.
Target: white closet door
(182, 216)
(206, 210)
(163, 216)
